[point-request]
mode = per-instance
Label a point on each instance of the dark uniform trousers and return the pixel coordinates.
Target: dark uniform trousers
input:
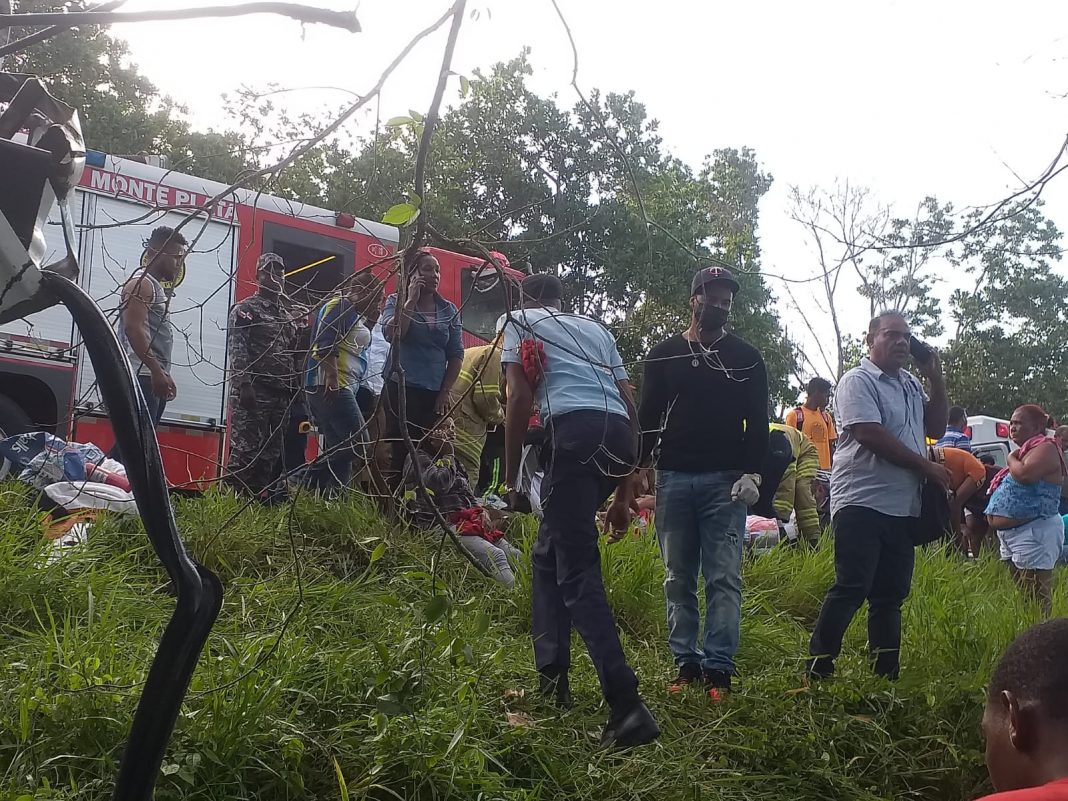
(256, 438)
(590, 451)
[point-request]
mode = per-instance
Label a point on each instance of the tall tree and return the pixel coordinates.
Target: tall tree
(571, 192)
(1010, 315)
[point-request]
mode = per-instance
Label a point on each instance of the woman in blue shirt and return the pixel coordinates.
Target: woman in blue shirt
(425, 336)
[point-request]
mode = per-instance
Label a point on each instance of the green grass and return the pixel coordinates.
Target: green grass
(362, 686)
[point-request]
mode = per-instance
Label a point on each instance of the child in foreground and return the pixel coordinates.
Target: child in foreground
(1026, 718)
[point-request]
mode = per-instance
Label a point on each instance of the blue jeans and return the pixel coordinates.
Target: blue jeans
(338, 418)
(700, 527)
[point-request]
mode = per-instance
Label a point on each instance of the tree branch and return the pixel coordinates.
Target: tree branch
(323, 16)
(47, 33)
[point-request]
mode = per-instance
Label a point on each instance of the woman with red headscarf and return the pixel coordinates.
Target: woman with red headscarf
(1024, 501)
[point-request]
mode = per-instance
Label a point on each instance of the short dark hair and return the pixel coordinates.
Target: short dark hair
(957, 413)
(1034, 668)
(877, 320)
(818, 384)
(543, 288)
(163, 235)
(1035, 413)
(987, 458)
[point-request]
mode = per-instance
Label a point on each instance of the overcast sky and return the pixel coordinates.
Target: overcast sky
(910, 98)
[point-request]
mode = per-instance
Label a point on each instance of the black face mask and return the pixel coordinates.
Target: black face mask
(712, 318)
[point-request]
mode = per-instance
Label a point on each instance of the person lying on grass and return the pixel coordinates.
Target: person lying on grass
(1025, 722)
(450, 491)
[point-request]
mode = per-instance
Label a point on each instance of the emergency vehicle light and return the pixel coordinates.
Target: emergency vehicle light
(1002, 430)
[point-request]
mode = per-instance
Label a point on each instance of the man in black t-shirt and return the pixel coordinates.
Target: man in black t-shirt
(704, 411)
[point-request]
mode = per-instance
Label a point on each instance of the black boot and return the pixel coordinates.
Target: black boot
(555, 686)
(630, 727)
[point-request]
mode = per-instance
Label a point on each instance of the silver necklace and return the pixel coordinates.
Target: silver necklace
(706, 350)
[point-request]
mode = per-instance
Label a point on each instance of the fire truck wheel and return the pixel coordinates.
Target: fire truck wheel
(13, 420)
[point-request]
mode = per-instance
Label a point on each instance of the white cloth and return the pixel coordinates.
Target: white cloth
(376, 354)
(493, 556)
(91, 495)
(1033, 546)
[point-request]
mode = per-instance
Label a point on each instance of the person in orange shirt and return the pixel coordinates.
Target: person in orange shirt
(966, 475)
(814, 421)
(1024, 722)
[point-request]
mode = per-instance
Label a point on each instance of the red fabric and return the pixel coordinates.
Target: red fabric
(1028, 446)
(469, 523)
(532, 357)
(1054, 791)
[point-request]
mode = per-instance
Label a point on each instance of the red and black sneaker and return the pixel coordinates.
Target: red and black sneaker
(689, 672)
(717, 684)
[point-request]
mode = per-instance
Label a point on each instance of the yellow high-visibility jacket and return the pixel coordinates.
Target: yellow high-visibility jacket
(478, 393)
(795, 489)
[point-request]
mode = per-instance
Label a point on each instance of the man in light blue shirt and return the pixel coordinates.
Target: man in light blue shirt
(879, 467)
(571, 364)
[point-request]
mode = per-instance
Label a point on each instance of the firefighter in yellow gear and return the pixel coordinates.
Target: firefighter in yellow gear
(795, 489)
(476, 396)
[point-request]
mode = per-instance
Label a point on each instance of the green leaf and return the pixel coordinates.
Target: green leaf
(383, 652)
(342, 785)
(482, 623)
(456, 737)
(436, 608)
(414, 199)
(465, 86)
(378, 552)
(170, 768)
(415, 115)
(388, 705)
(401, 214)
(398, 122)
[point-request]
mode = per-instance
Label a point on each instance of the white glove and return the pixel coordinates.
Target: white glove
(746, 489)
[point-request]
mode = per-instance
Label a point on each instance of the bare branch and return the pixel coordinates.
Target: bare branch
(48, 33)
(345, 20)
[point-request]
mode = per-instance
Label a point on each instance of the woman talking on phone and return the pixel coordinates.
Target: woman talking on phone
(426, 333)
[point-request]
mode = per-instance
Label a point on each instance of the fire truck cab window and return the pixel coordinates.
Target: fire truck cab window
(483, 300)
(315, 264)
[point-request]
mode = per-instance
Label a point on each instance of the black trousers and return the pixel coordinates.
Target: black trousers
(589, 450)
(419, 411)
(873, 561)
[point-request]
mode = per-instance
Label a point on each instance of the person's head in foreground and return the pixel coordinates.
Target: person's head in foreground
(1026, 422)
(543, 289)
(888, 341)
(1025, 723)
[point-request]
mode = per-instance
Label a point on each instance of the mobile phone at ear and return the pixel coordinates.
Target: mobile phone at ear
(920, 350)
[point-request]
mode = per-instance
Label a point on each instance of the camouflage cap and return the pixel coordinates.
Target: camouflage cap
(264, 261)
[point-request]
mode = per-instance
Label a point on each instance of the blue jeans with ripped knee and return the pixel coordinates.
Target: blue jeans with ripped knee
(701, 529)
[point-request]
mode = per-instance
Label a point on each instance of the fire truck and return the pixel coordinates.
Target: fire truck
(46, 380)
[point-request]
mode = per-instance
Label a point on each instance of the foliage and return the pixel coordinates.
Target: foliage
(1010, 314)
(413, 697)
(546, 185)
(122, 112)
(1006, 303)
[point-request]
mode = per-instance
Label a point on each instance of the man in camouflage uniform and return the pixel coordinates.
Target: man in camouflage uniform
(477, 399)
(263, 346)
